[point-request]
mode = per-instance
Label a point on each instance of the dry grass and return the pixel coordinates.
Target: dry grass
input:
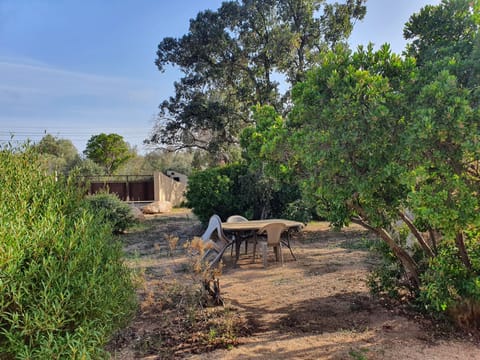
(317, 307)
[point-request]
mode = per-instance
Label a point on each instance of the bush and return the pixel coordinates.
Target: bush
(220, 190)
(452, 289)
(448, 289)
(233, 189)
(63, 286)
(386, 277)
(113, 210)
(298, 210)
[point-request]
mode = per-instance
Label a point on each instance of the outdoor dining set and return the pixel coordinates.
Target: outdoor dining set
(268, 233)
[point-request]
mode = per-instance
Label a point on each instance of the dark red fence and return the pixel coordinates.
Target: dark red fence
(127, 187)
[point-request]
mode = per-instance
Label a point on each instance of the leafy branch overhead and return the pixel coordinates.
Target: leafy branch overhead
(233, 58)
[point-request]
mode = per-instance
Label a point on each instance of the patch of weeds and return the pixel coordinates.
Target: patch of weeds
(358, 354)
(186, 325)
(363, 243)
(181, 309)
(212, 334)
(172, 242)
(140, 226)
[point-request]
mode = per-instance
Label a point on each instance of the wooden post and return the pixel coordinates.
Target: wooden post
(127, 189)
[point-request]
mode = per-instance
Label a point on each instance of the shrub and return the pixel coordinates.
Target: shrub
(219, 190)
(298, 210)
(234, 189)
(448, 289)
(63, 286)
(113, 210)
(387, 275)
(452, 289)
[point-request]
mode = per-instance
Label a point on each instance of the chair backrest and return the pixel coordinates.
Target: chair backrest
(215, 223)
(274, 232)
(236, 218)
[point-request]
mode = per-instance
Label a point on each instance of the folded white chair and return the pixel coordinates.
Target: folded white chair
(215, 241)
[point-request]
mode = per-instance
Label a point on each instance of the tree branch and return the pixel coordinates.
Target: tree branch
(416, 233)
(462, 251)
(406, 260)
(433, 240)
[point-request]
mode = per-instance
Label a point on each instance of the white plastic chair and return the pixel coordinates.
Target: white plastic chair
(244, 235)
(236, 218)
(216, 244)
(274, 233)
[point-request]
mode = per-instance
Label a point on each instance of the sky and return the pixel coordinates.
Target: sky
(77, 68)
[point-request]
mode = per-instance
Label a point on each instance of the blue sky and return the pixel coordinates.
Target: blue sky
(76, 68)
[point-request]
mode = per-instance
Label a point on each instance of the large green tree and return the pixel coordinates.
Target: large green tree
(108, 150)
(344, 132)
(375, 138)
(233, 58)
(57, 154)
(443, 138)
(445, 37)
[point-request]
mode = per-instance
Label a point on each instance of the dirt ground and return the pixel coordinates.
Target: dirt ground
(317, 307)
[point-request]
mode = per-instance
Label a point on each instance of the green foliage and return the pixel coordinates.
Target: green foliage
(263, 144)
(443, 38)
(113, 210)
(87, 167)
(375, 134)
(387, 276)
(447, 282)
(442, 143)
(181, 161)
(64, 288)
(230, 58)
(344, 132)
(57, 155)
(62, 148)
(234, 189)
(221, 190)
(109, 151)
(298, 210)
(266, 151)
(360, 354)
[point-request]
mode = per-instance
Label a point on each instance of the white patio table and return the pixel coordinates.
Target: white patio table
(255, 225)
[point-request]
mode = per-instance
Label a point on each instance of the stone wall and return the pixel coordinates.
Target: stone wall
(167, 189)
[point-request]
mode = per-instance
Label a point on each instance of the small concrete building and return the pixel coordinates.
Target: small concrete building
(181, 178)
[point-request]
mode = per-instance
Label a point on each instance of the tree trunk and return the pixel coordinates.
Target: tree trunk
(433, 240)
(417, 234)
(462, 251)
(407, 261)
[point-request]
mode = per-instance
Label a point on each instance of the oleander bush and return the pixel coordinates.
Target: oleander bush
(113, 210)
(64, 288)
